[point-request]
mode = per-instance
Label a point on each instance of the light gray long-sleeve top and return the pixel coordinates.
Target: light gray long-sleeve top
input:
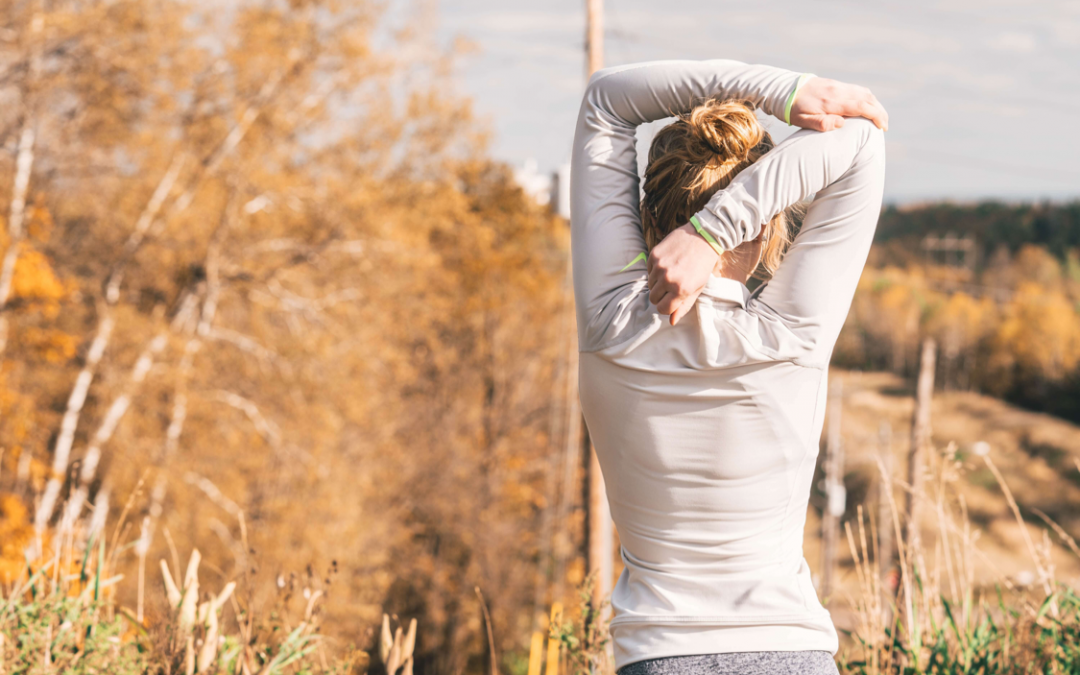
(707, 432)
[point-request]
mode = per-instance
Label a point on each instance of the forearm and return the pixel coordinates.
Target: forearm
(797, 168)
(645, 92)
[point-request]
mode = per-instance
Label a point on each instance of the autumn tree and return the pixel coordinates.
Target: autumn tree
(265, 270)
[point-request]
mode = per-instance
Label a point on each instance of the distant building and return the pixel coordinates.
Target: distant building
(535, 184)
(560, 193)
(547, 190)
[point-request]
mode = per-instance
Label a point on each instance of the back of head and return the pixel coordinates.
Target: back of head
(696, 156)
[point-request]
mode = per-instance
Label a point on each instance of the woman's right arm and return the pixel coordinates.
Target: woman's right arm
(808, 298)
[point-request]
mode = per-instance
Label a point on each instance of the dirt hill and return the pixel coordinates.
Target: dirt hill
(1035, 453)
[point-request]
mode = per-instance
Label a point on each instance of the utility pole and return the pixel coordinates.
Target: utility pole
(835, 493)
(594, 35)
(601, 545)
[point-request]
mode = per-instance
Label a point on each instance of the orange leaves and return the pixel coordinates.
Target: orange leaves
(1040, 333)
(36, 281)
(49, 344)
(16, 531)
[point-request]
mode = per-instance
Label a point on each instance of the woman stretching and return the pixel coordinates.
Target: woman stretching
(706, 424)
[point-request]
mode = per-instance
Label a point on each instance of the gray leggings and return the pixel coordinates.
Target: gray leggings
(737, 663)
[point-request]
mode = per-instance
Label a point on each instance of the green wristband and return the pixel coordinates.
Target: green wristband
(794, 92)
(705, 234)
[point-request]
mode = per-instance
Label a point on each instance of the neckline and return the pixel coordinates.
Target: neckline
(728, 290)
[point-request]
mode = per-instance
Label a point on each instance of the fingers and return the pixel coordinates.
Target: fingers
(823, 103)
(812, 122)
(873, 111)
(881, 117)
(831, 122)
(668, 304)
(683, 308)
(656, 291)
(863, 103)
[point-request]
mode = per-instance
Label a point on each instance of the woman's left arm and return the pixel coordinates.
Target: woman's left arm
(612, 295)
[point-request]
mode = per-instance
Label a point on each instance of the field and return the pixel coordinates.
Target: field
(983, 590)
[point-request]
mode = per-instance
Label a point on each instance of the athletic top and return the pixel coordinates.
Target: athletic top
(707, 432)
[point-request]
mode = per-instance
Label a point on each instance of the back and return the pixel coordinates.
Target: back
(708, 474)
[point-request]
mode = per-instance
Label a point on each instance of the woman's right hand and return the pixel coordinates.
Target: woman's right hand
(822, 104)
(679, 267)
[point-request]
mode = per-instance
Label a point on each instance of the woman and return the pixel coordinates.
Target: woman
(706, 424)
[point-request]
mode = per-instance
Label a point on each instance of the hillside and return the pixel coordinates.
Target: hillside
(1036, 454)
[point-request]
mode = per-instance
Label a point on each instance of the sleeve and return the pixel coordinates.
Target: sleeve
(808, 298)
(612, 297)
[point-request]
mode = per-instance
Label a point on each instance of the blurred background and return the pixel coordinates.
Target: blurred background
(285, 283)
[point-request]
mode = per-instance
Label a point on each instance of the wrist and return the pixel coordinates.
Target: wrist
(695, 226)
(803, 79)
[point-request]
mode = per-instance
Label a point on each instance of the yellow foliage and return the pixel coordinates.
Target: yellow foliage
(1040, 333)
(16, 533)
(35, 280)
(50, 344)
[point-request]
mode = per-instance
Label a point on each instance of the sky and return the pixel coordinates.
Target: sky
(983, 95)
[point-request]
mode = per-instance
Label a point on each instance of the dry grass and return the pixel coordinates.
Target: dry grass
(61, 615)
(985, 590)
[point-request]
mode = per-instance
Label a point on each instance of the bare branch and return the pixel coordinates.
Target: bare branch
(311, 307)
(77, 399)
(267, 429)
(243, 342)
(146, 218)
(111, 421)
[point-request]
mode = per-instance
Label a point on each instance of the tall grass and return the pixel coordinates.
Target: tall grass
(937, 606)
(942, 619)
(61, 615)
(946, 615)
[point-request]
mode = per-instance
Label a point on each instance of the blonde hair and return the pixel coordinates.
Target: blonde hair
(695, 157)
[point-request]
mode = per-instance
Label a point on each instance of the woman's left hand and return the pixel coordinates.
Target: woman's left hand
(822, 105)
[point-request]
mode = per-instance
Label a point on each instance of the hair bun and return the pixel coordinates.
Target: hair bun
(698, 154)
(725, 128)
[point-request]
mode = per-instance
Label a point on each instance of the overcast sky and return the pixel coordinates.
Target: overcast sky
(983, 95)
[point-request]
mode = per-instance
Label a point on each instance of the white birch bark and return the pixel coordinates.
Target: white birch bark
(142, 224)
(191, 349)
(77, 399)
(109, 423)
(24, 165)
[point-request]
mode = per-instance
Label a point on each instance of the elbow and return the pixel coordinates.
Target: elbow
(871, 139)
(597, 78)
(596, 89)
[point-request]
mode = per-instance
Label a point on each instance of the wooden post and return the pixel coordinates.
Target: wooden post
(885, 522)
(920, 440)
(536, 653)
(836, 495)
(600, 553)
